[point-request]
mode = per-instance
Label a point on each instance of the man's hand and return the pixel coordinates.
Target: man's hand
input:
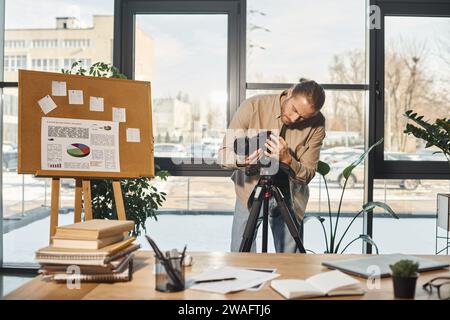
(254, 157)
(278, 149)
(251, 158)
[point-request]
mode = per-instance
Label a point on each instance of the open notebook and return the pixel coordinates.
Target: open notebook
(332, 283)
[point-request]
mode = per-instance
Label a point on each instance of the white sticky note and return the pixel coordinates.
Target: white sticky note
(119, 115)
(75, 97)
(133, 135)
(47, 104)
(96, 104)
(59, 89)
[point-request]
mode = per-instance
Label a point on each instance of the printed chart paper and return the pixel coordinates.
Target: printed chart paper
(47, 104)
(75, 97)
(79, 145)
(59, 89)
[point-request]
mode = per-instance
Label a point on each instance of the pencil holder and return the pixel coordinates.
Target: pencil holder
(169, 275)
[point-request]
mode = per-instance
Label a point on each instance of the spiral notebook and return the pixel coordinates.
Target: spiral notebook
(50, 255)
(125, 275)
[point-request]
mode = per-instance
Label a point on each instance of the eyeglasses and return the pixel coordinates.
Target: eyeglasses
(442, 285)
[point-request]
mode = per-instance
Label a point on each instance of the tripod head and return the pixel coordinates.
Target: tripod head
(268, 180)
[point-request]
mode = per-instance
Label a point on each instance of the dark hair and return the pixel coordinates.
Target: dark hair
(313, 92)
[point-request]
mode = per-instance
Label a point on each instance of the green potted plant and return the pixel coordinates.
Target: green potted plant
(334, 240)
(404, 278)
(141, 198)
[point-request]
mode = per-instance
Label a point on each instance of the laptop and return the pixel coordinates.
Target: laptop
(378, 265)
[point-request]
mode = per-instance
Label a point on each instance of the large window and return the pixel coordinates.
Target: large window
(416, 75)
(39, 36)
(202, 59)
(289, 39)
(50, 35)
(185, 58)
(410, 72)
(415, 203)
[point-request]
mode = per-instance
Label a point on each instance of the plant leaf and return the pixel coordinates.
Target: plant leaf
(323, 168)
(364, 238)
(371, 205)
(368, 239)
(348, 170)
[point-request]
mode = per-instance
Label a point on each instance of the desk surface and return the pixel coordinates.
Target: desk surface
(143, 283)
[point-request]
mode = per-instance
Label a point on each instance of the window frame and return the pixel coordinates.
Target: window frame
(237, 86)
(125, 11)
(389, 169)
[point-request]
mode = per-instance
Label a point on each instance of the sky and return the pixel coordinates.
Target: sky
(190, 53)
(42, 13)
(299, 39)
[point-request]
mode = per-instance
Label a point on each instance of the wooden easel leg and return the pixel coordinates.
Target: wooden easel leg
(87, 200)
(119, 200)
(54, 207)
(78, 200)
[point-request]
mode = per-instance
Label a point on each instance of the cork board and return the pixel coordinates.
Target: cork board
(136, 159)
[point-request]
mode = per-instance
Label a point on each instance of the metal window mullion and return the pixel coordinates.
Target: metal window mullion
(370, 128)
(2, 46)
(326, 86)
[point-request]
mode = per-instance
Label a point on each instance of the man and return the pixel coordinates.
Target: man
(295, 113)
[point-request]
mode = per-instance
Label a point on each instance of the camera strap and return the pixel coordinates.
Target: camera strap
(281, 178)
(283, 131)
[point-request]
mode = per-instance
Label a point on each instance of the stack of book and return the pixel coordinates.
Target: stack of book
(100, 250)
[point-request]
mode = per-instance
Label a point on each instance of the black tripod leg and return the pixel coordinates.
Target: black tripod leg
(250, 228)
(265, 222)
(292, 227)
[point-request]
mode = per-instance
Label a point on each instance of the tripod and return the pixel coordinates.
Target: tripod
(264, 190)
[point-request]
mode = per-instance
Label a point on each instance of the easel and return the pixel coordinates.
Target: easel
(82, 191)
(136, 158)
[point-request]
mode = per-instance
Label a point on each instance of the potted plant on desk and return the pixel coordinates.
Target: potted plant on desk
(404, 278)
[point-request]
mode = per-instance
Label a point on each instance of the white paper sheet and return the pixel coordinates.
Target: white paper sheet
(268, 270)
(59, 89)
(245, 279)
(75, 97)
(96, 104)
(133, 135)
(47, 104)
(119, 115)
(79, 145)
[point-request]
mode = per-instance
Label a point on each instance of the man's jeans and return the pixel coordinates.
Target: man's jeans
(282, 238)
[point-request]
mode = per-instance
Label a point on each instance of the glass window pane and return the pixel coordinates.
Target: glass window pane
(38, 33)
(26, 199)
(206, 194)
(185, 58)
(415, 203)
(193, 203)
(417, 68)
(290, 39)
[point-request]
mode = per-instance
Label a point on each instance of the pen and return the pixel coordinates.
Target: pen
(183, 255)
(214, 280)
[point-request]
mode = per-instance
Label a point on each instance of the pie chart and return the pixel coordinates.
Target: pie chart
(78, 150)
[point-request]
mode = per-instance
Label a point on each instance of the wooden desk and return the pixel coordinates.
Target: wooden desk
(143, 283)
